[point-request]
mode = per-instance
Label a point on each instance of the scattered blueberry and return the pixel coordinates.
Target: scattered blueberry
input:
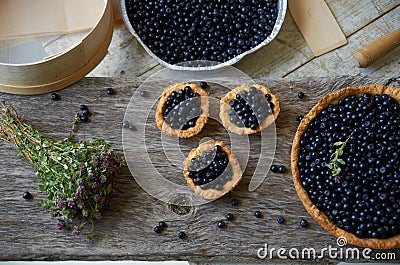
(282, 169)
(54, 96)
(257, 214)
(162, 224)
(203, 85)
(280, 220)
(300, 95)
(143, 93)
(221, 224)
(125, 124)
(83, 107)
(229, 217)
(182, 235)
(157, 229)
(303, 223)
(110, 91)
(85, 112)
(234, 202)
(83, 118)
(299, 118)
(27, 195)
(274, 168)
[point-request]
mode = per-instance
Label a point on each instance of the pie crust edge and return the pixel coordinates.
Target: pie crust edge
(211, 194)
(201, 120)
(319, 216)
(224, 108)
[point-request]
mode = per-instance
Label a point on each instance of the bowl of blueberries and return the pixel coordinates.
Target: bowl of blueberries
(202, 34)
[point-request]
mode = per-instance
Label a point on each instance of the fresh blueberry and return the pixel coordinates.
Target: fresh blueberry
(234, 202)
(181, 235)
(110, 91)
(54, 96)
(27, 195)
(229, 217)
(221, 224)
(257, 214)
(280, 219)
(157, 229)
(303, 223)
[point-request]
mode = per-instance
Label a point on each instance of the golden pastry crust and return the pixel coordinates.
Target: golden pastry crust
(201, 121)
(320, 217)
(224, 108)
(211, 194)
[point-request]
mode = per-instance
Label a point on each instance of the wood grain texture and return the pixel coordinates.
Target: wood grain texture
(288, 52)
(343, 62)
(126, 230)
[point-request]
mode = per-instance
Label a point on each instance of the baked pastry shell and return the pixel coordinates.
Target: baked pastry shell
(224, 108)
(201, 120)
(211, 194)
(319, 216)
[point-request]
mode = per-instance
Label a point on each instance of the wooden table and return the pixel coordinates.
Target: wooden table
(126, 231)
(27, 232)
(288, 55)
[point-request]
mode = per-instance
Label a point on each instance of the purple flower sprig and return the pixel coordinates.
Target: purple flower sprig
(78, 178)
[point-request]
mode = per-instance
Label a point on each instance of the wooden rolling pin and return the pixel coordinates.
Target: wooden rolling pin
(377, 49)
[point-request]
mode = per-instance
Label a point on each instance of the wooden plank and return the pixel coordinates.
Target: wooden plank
(125, 58)
(342, 60)
(289, 51)
(282, 56)
(125, 232)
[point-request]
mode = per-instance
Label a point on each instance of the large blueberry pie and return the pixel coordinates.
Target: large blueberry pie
(212, 170)
(182, 110)
(346, 165)
(248, 109)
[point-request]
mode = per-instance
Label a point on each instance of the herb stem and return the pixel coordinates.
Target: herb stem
(336, 161)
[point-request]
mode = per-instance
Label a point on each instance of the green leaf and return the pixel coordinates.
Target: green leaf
(338, 143)
(341, 161)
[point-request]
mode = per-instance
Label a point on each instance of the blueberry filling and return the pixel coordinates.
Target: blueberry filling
(182, 109)
(249, 108)
(210, 170)
(181, 31)
(364, 197)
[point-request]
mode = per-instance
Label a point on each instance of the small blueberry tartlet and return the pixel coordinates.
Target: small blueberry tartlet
(345, 162)
(248, 109)
(182, 110)
(212, 170)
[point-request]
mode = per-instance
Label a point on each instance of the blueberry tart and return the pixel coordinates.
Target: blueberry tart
(248, 109)
(182, 110)
(212, 170)
(346, 165)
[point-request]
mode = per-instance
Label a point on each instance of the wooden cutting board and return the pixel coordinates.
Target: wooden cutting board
(126, 230)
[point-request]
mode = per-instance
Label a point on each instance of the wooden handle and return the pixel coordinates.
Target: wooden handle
(377, 49)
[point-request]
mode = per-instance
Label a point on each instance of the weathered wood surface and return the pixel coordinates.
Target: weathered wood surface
(126, 230)
(362, 22)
